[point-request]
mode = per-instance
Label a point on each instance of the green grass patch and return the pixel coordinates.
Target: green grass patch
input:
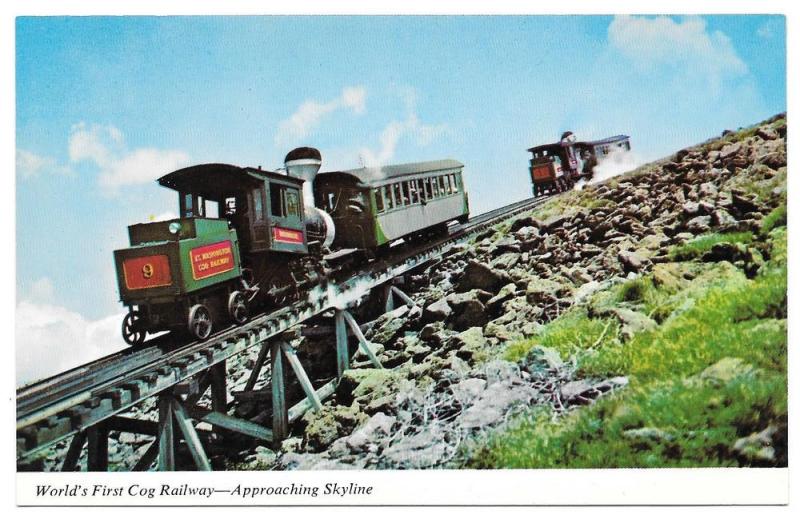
(675, 424)
(714, 371)
(774, 219)
(570, 334)
(702, 244)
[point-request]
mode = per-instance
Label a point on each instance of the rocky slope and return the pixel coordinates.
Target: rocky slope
(449, 383)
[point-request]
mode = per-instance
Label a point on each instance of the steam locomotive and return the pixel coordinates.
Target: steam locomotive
(249, 239)
(556, 167)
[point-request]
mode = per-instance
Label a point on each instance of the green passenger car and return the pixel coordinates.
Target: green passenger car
(375, 207)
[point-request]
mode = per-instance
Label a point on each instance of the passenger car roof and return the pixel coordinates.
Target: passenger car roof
(376, 175)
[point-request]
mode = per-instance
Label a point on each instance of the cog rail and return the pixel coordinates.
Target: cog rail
(55, 408)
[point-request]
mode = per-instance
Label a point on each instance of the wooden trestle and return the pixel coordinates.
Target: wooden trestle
(178, 410)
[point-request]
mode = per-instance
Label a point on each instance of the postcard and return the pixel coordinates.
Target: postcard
(401, 260)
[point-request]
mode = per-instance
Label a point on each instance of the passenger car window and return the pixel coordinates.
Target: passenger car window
(406, 194)
(398, 198)
(378, 199)
(453, 183)
(387, 191)
(414, 192)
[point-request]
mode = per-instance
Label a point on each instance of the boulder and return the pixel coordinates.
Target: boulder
(730, 150)
(722, 218)
(436, 311)
(506, 293)
(699, 224)
(542, 359)
(480, 276)
(468, 390)
(586, 291)
(491, 405)
(632, 322)
(585, 391)
(424, 449)
(365, 384)
(377, 427)
(469, 313)
(691, 208)
(506, 261)
(540, 289)
(467, 343)
(743, 204)
(726, 370)
(767, 133)
(765, 448)
(631, 261)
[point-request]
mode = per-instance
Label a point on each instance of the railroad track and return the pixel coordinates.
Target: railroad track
(55, 408)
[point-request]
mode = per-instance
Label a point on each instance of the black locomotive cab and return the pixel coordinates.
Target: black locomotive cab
(265, 208)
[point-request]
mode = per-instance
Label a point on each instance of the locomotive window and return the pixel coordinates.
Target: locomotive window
(230, 206)
(212, 209)
(276, 200)
(187, 205)
(258, 205)
(284, 201)
(292, 201)
(378, 199)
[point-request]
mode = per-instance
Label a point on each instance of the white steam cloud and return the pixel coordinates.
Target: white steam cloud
(411, 125)
(617, 162)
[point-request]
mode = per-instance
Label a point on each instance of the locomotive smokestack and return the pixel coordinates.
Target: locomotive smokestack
(304, 163)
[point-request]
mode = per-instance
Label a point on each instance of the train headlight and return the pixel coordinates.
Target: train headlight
(175, 227)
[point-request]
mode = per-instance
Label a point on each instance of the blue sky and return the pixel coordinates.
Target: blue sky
(106, 105)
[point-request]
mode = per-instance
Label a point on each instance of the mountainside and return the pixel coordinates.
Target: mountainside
(638, 322)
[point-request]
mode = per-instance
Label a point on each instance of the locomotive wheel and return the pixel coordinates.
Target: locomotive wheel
(200, 324)
(237, 307)
(133, 332)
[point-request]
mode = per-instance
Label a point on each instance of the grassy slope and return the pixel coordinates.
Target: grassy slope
(713, 371)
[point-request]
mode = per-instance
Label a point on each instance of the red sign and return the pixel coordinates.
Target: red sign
(212, 259)
(287, 235)
(146, 272)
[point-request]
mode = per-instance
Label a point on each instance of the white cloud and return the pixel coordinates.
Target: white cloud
(30, 165)
(51, 338)
(104, 145)
(424, 134)
(686, 45)
(769, 29)
(308, 116)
